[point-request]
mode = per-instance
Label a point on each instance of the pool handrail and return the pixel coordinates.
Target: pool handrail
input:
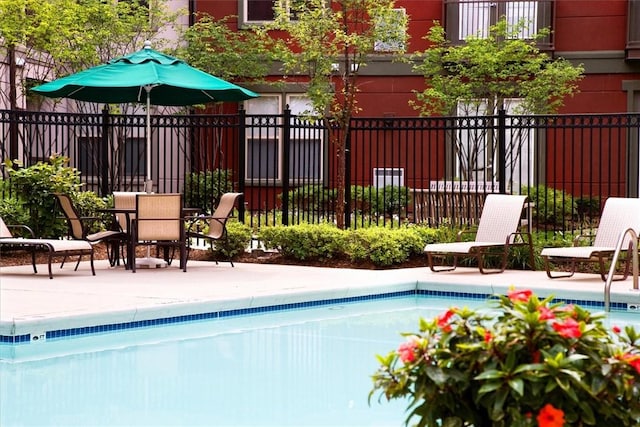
(614, 261)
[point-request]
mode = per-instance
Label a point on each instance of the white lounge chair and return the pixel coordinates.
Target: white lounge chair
(498, 230)
(618, 215)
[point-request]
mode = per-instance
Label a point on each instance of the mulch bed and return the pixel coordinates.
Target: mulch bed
(19, 257)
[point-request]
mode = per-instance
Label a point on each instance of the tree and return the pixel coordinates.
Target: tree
(486, 75)
(321, 34)
(60, 37)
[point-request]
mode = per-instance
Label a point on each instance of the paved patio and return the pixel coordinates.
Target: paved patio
(33, 303)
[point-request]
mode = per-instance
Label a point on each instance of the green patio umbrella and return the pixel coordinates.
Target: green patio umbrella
(145, 76)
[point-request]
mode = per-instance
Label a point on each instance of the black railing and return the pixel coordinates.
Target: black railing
(434, 170)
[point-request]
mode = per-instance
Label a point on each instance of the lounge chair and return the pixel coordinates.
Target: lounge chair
(497, 232)
(53, 247)
(79, 229)
(158, 222)
(217, 222)
(618, 215)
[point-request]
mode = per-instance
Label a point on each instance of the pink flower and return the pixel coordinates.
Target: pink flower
(519, 296)
(546, 313)
(568, 329)
(550, 416)
(407, 350)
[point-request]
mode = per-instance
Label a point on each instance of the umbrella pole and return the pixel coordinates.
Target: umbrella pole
(148, 261)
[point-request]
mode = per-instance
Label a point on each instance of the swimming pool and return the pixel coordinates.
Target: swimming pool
(308, 367)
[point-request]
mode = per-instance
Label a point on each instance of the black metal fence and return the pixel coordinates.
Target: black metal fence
(435, 170)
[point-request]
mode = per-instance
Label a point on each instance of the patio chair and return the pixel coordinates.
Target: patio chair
(158, 222)
(618, 215)
(217, 222)
(53, 247)
(80, 229)
(497, 232)
(125, 200)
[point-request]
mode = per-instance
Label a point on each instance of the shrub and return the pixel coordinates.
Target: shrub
(34, 187)
(551, 206)
(237, 241)
(13, 213)
(527, 363)
(201, 188)
(305, 241)
(384, 246)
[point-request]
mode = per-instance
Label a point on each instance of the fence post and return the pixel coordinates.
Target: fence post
(242, 158)
(104, 153)
(286, 152)
(502, 161)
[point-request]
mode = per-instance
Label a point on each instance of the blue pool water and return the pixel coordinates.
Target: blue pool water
(307, 367)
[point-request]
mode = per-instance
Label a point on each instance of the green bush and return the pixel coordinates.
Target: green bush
(305, 241)
(384, 246)
(34, 187)
(391, 200)
(551, 206)
(13, 213)
(237, 241)
(201, 188)
(88, 205)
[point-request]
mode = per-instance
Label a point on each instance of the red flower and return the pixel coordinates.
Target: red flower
(568, 329)
(443, 320)
(549, 416)
(616, 329)
(519, 296)
(633, 360)
(488, 336)
(407, 350)
(546, 313)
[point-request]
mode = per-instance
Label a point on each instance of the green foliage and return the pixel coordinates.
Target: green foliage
(66, 36)
(213, 46)
(391, 200)
(88, 203)
(551, 206)
(13, 213)
(503, 367)
(493, 69)
(237, 241)
(587, 207)
(34, 187)
(384, 246)
(200, 188)
(305, 241)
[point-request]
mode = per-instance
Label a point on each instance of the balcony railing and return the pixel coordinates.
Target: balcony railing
(464, 18)
(633, 30)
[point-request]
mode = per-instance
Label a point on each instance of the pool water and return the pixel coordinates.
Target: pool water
(307, 367)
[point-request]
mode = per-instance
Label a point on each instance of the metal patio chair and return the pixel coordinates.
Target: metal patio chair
(80, 229)
(216, 223)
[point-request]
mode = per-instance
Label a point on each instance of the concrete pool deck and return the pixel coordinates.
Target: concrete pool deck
(32, 304)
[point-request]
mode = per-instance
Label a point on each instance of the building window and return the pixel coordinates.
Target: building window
(88, 155)
(472, 18)
(135, 159)
(260, 11)
(265, 140)
(476, 147)
(391, 32)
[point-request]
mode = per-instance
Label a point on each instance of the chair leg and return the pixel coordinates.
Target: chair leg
(547, 267)
(433, 266)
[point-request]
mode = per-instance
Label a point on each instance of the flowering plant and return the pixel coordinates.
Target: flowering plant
(531, 362)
